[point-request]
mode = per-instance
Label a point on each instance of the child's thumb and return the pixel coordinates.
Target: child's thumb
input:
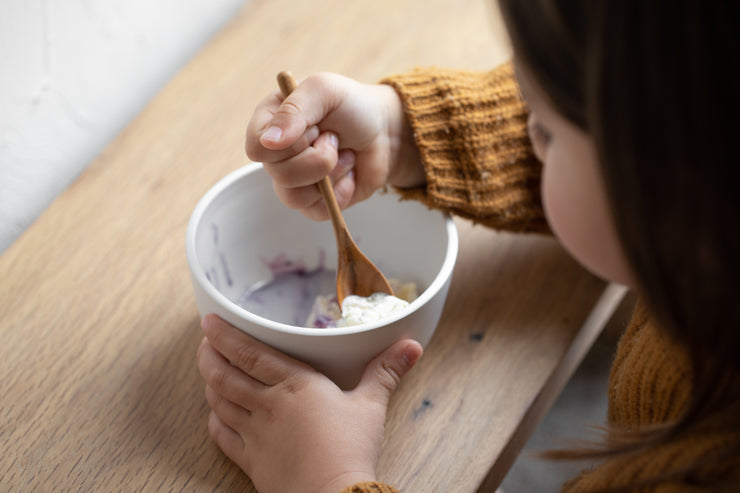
(307, 105)
(383, 374)
(286, 125)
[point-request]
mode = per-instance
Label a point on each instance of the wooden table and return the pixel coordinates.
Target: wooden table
(98, 326)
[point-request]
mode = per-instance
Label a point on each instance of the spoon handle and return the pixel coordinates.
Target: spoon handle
(356, 274)
(287, 82)
(327, 193)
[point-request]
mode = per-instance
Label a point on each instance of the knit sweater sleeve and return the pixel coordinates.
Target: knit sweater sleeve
(471, 131)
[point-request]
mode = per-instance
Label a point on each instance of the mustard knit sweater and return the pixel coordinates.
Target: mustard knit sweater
(470, 128)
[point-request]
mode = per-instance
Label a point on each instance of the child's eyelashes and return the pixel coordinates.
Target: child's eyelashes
(542, 134)
(539, 136)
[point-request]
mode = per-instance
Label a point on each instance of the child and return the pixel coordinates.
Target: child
(631, 109)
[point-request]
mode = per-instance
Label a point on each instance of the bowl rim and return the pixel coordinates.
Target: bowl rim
(445, 271)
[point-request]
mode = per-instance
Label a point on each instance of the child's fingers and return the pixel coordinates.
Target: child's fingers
(345, 164)
(308, 199)
(227, 380)
(257, 152)
(344, 189)
(251, 356)
(313, 205)
(309, 166)
(299, 198)
(232, 415)
(383, 374)
(228, 440)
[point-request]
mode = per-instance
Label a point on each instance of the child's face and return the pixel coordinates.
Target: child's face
(573, 192)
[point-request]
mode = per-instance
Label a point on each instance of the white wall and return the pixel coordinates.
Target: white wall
(73, 73)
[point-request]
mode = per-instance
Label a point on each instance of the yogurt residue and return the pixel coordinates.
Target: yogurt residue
(294, 296)
(358, 310)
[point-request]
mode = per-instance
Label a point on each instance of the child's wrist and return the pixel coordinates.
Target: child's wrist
(346, 481)
(404, 167)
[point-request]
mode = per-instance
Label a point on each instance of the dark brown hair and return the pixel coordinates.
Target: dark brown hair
(653, 82)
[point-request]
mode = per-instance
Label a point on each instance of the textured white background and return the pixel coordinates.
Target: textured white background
(73, 73)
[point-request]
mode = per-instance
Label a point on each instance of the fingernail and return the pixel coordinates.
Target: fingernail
(346, 159)
(272, 134)
(411, 354)
(333, 140)
(312, 134)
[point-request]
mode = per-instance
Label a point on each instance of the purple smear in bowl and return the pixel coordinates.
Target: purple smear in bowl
(289, 296)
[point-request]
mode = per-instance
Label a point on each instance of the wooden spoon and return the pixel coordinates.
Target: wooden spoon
(356, 274)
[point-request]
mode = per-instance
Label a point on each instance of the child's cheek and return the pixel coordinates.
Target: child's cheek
(576, 207)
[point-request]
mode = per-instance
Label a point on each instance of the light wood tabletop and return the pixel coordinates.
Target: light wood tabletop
(98, 324)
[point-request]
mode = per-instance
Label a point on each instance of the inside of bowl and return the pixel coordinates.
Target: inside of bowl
(246, 236)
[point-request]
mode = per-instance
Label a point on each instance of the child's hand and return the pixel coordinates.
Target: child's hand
(288, 427)
(297, 141)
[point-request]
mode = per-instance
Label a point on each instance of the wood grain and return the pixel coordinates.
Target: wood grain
(100, 391)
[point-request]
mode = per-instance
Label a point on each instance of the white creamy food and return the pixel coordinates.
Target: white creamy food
(358, 310)
(292, 296)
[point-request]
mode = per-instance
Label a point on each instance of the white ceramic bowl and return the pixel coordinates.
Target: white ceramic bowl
(239, 226)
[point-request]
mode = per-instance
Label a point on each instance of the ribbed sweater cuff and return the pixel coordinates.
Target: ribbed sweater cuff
(471, 131)
(370, 487)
